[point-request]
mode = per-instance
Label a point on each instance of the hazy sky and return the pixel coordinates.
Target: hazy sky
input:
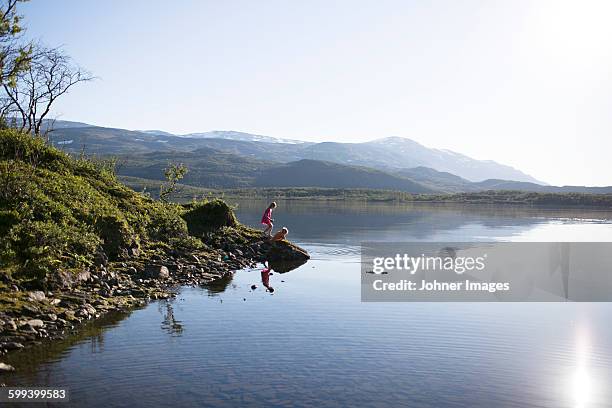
(525, 83)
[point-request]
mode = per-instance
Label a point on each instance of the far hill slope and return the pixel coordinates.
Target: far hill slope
(437, 180)
(508, 185)
(104, 141)
(447, 182)
(314, 173)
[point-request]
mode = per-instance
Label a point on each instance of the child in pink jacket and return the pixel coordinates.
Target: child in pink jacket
(267, 219)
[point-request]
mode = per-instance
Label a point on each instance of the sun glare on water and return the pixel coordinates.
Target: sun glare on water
(582, 387)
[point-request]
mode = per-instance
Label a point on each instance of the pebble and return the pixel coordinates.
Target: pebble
(11, 325)
(30, 309)
(11, 345)
(69, 315)
(37, 296)
(6, 367)
(90, 308)
(35, 323)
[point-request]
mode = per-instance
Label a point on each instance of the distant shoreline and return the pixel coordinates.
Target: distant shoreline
(492, 197)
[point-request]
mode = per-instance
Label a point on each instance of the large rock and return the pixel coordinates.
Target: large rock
(66, 279)
(206, 216)
(156, 271)
(284, 251)
(285, 266)
(283, 256)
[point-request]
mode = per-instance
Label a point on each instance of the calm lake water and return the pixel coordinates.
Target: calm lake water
(313, 343)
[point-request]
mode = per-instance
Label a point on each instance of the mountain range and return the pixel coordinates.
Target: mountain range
(227, 159)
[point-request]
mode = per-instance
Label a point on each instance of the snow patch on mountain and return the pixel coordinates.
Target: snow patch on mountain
(248, 137)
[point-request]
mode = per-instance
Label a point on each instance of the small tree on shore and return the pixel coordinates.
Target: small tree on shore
(173, 174)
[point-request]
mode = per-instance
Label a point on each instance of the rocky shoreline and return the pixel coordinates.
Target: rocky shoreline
(29, 317)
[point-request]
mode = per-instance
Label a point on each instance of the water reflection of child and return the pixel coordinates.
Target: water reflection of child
(265, 279)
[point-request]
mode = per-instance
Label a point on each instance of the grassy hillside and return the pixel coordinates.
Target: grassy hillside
(59, 214)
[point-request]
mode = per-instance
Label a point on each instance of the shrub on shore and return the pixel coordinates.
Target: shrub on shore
(206, 216)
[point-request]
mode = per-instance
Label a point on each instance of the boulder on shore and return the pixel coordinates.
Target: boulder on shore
(283, 256)
(205, 216)
(156, 271)
(285, 251)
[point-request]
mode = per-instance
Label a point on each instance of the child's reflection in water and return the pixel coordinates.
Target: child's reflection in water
(265, 279)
